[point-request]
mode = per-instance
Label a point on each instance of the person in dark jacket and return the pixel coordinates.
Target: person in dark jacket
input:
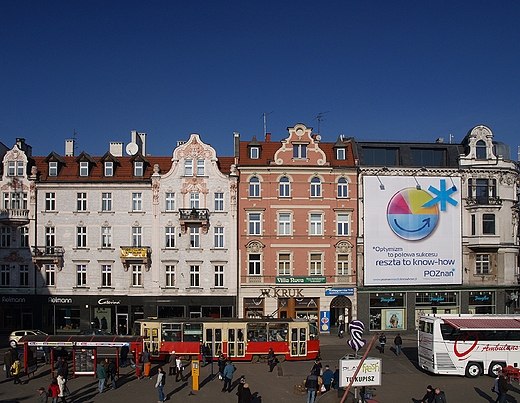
(245, 394)
(398, 341)
(327, 377)
(382, 343)
(241, 383)
(440, 397)
(311, 383)
(221, 365)
(502, 388)
(271, 360)
(429, 395)
(341, 329)
(336, 378)
(124, 355)
(112, 370)
(316, 367)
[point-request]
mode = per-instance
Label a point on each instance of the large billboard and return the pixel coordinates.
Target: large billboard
(412, 230)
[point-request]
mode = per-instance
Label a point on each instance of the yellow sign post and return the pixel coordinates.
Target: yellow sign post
(195, 372)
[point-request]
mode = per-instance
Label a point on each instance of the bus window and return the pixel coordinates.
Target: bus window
(257, 332)
(192, 332)
(278, 331)
(171, 332)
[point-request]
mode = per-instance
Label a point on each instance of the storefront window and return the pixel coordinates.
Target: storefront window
(481, 302)
(67, 318)
(253, 307)
(387, 311)
(307, 308)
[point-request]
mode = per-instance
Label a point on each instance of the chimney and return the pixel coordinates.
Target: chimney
(140, 140)
(116, 148)
(268, 137)
(22, 145)
(69, 148)
(236, 137)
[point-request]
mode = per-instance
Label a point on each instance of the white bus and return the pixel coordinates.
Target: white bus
(467, 344)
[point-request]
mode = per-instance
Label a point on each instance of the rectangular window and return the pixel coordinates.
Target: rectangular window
(316, 224)
(170, 201)
(53, 168)
(188, 168)
(50, 274)
(194, 200)
(81, 275)
(109, 168)
(83, 168)
(488, 224)
(106, 237)
(11, 168)
(284, 264)
(137, 275)
(81, 201)
(343, 220)
(106, 275)
(254, 264)
(50, 239)
(219, 201)
(138, 168)
(5, 237)
(24, 275)
(342, 266)
(219, 276)
(254, 223)
(254, 187)
(381, 156)
(170, 237)
(316, 264)
(137, 201)
(473, 224)
(340, 154)
(219, 237)
(254, 153)
(483, 263)
(200, 167)
(170, 275)
(5, 275)
(194, 276)
(299, 151)
(81, 237)
(15, 201)
(137, 236)
(194, 237)
(24, 237)
(284, 224)
(106, 201)
(50, 201)
(428, 158)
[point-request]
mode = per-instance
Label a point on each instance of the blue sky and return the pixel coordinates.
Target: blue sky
(381, 70)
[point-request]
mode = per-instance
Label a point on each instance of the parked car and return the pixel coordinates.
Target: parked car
(18, 334)
(95, 332)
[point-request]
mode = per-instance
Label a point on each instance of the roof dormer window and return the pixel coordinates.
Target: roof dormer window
(138, 168)
(299, 151)
(481, 150)
(341, 154)
(83, 168)
(53, 168)
(254, 153)
(109, 168)
(15, 168)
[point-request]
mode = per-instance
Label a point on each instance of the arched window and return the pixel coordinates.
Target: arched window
(481, 150)
(254, 187)
(315, 187)
(342, 188)
(285, 187)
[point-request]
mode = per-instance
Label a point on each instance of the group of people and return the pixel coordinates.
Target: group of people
(106, 372)
(12, 365)
(500, 387)
(398, 342)
(320, 380)
(176, 367)
(434, 395)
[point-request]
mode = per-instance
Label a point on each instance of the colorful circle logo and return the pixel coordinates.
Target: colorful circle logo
(408, 218)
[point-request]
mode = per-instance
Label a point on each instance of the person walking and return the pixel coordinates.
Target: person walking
(179, 369)
(382, 343)
(398, 341)
(172, 364)
(8, 362)
(159, 384)
(271, 360)
(336, 378)
(42, 395)
(327, 378)
(124, 355)
(202, 349)
(147, 364)
(229, 370)
(245, 394)
(15, 371)
(502, 388)
(221, 365)
(112, 370)
(429, 395)
(341, 329)
(54, 390)
(440, 397)
(311, 383)
(316, 367)
(64, 391)
(102, 376)
(241, 383)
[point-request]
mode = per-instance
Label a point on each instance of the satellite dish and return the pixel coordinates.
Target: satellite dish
(318, 137)
(132, 148)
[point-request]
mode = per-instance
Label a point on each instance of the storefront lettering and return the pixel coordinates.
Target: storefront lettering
(106, 301)
(436, 299)
(482, 298)
(13, 299)
(58, 300)
(282, 292)
(391, 299)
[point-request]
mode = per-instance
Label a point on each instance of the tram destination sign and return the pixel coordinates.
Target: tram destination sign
(300, 280)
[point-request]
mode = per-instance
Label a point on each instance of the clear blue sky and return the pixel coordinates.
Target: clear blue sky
(382, 70)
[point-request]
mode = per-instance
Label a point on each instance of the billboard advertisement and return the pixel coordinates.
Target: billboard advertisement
(412, 230)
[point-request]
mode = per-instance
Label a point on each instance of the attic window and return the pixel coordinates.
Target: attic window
(83, 168)
(109, 168)
(300, 151)
(138, 168)
(341, 154)
(53, 168)
(254, 153)
(481, 150)
(15, 168)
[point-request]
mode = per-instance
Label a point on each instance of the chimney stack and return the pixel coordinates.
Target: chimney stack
(116, 148)
(69, 148)
(268, 137)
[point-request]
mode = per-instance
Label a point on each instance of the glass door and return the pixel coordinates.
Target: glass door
(236, 342)
(298, 341)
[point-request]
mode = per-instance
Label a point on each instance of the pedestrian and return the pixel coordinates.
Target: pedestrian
(202, 349)
(159, 384)
(63, 367)
(172, 363)
(316, 367)
(106, 364)
(138, 366)
(47, 354)
(15, 371)
(179, 369)
(54, 390)
(124, 355)
(8, 361)
(245, 394)
(147, 364)
(229, 370)
(42, 395)
(440, 397)
(241, 383)
(495, 387)
(341, 329)
(327, 378)
(382, 343)
(398, 341)
(102, 376)
(112, 370)
(64, 391)
(429, 395)
(311, 383)
(336, 378)
(221, 365)
(271, 360)
(502, 388)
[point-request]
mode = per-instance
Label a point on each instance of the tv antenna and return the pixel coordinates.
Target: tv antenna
(264, 115)
(320, 118)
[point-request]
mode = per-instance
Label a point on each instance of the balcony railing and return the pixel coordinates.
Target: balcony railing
(193, 214)
(14, 217)
(484, 201)
(48, 252)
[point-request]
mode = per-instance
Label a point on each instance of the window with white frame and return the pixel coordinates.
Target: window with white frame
(53, 168)
(254, 153)
(15, 200)
(284, 224)
(170, 201)
(219, 276)
(5, 237)
(194, 200)
(316, 224)
(106, 201)
(137, 236)
(219, 201)
(81, 201)
(254, 223)
(341, 154)
(5, 275)
(50, 239)
(24, 275)
(50, 274)
(299, 151)
(20, 168)
(138, 168)
(342, 188)
(83, 168)
(200, 167)
(81, 275)
(219, 237)
(194, 237)
(170, 275)
(315, 187)
(137, 201)
(254, 264)
(81, 237)
(316, 264)
(342, 264)
(106, 237)
(170, 237)
(15, 168)
(254, 187)
(284, 264)
(137, 275)
(106, 275)
(285, 187)
(483, 263)
(188, 167)
(194, 276)
(50, 201)
(109, 168)
(343, 221)
(24, 237)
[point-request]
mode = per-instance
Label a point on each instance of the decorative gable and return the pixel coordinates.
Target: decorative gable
(301, 147)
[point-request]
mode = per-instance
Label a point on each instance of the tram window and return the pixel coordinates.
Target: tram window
(313, 331)
(256, 332)
(171, 332)
(240, 335)
(278, 331)
(231, 334)
(192, 332)
(303, 334)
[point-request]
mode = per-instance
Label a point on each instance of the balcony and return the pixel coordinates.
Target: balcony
(48, 255)
(194, 216)
(484, 201)
(14, 217)
(135, 255)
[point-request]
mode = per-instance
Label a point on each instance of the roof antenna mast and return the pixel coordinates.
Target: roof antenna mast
(264, 115)
(320, 118)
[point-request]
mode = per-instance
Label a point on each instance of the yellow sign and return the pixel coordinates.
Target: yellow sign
(134, 252)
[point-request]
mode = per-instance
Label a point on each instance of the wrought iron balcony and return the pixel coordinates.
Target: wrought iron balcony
(484, 201)
(14, 217)
(194, 216)
(48, 254)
